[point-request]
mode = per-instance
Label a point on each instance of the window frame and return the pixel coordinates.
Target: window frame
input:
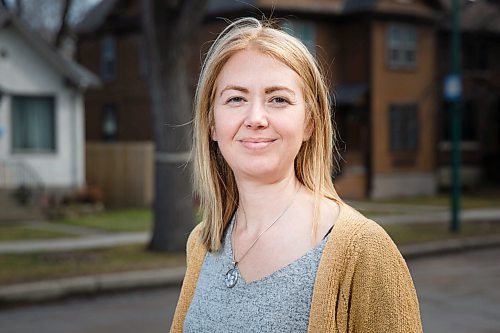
(404, 135)
(397, 41)
(34, 150)
(108, 57)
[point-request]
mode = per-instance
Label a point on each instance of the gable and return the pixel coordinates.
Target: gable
(66, 67)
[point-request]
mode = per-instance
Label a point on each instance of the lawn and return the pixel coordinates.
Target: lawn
(489, 199)
(13, 231)
(125, 220)
(18, 268)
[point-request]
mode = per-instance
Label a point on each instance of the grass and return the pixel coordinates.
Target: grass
(19, 268)
(468, 201)
(9, 232)
(404, 234)
(127, 220)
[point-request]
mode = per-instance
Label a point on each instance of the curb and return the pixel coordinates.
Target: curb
(56, 289)
(93, 285)
(449, 246)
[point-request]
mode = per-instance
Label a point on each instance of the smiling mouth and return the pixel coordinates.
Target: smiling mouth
(256, 143)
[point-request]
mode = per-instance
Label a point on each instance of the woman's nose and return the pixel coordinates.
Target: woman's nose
(256, 117)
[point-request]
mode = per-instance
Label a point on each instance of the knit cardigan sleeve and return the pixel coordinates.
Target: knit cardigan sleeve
(195, 255)
(383, 297)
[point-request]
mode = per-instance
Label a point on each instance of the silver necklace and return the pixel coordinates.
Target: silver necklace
(232, 274)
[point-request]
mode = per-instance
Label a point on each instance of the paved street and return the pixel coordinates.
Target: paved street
(149, 311)
(458, 293)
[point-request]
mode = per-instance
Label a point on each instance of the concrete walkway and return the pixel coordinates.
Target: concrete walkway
(68, 244)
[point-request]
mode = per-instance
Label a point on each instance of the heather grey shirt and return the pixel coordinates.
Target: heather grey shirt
(279, 302)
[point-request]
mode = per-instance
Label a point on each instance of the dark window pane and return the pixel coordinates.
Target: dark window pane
(404, 127)
(33, 124)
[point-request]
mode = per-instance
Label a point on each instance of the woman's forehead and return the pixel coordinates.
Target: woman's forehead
(251, 68)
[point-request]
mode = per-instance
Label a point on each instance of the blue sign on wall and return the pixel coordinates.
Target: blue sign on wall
(452, 87)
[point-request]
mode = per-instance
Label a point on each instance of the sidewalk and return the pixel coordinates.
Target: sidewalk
(50, 290)
(83, 243)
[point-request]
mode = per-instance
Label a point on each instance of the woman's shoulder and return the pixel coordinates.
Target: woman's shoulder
(362, 234)
(195, 241)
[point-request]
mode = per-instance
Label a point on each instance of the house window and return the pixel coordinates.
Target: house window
(404, 127)
(108, 58)
(109, 123)
(402, 46)
(303, 30)
(33, 124)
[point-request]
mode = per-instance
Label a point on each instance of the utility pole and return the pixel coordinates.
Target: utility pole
(454, 92)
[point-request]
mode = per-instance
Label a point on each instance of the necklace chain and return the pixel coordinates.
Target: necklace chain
(235, 263)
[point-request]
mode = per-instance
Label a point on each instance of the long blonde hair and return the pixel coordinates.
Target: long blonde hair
(214, 181)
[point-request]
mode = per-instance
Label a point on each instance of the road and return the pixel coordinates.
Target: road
(146, 311)
(458, 293)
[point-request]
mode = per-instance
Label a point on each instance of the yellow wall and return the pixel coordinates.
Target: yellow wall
(402, 86)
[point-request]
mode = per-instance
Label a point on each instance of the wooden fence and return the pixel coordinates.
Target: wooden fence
(123, 171)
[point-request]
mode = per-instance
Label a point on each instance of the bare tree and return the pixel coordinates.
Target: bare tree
(15, 7)
(168, 27)
(63, 28)
(53, 19)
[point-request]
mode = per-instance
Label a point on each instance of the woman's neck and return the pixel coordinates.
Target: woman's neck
(261, 204)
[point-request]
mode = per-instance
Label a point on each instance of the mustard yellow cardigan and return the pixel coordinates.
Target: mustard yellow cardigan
(362, 284)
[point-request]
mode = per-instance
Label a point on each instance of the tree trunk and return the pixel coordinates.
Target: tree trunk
(167, 30)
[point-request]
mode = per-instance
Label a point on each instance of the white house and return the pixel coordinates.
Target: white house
(41, 111)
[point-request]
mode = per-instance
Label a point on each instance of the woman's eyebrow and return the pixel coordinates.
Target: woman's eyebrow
(272, 89)
(233, 87)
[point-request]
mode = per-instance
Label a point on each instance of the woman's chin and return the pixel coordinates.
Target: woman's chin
(261, 173)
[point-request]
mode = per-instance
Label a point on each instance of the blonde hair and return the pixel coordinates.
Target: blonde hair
(214, 181)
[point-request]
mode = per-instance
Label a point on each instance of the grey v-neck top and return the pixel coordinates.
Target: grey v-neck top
(279, 302)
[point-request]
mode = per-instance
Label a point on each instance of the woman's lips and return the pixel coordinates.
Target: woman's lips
(256, 143)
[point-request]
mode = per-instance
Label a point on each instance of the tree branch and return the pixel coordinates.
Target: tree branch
(64, 26)
(3, 5)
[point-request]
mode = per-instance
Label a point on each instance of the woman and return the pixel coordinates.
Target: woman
(278, 251)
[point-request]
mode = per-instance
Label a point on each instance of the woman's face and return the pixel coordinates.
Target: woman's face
(259, 116)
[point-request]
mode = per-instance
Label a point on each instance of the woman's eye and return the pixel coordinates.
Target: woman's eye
(280, 100)
(236, 99)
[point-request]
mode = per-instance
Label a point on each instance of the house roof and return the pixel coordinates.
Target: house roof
(74, 72)
(96, 17)
(479, 15)
(355, 5)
